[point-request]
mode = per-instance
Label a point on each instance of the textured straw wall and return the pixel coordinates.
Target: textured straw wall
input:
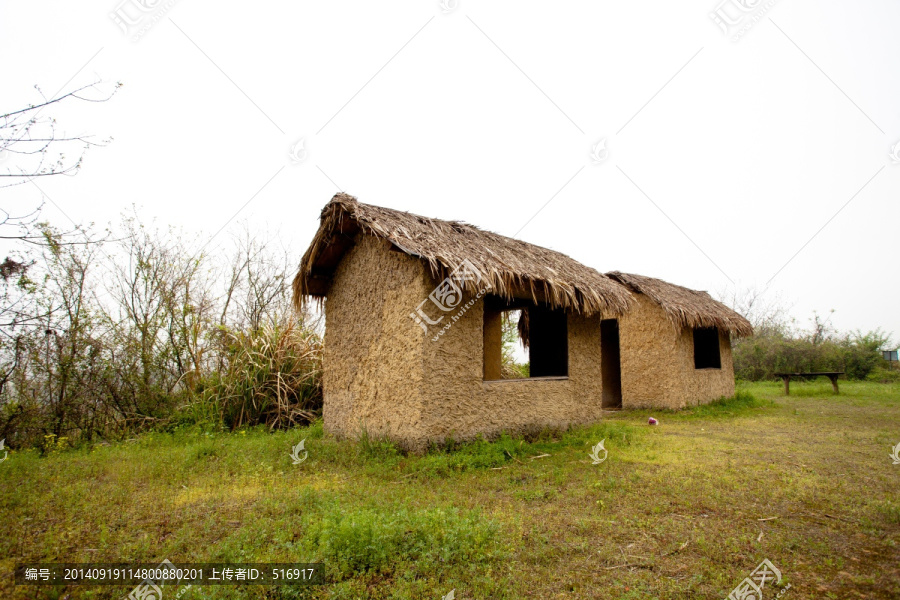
(383, 372)
(649, 348)
(373, 350)
(658, 362)
(458, 403)
(704, 385)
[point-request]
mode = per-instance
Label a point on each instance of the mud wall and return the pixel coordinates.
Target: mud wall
(373, 349)
(648, 347)
(658, 362)
(383, 372)
(704, 385)
(458, 403)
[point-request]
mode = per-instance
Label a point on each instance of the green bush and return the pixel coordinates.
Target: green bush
(453, 456)
(366, 541)
(373, 447)
(772, 351)
(882, 375)
(741, 402)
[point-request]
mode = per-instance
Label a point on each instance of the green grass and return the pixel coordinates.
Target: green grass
(682, 510)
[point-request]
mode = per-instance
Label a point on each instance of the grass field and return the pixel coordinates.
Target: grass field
(683, 510)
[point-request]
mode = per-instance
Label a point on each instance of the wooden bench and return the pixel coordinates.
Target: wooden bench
(832, 375)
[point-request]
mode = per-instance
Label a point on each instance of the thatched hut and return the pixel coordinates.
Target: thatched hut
(413, 331)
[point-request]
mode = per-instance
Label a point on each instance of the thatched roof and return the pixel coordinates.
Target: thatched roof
(685, 307)
(512, 267)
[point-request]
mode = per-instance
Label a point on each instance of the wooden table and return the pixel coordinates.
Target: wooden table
(832, 375)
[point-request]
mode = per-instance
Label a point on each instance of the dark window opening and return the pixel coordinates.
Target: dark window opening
(548, 342)
(524, 340)
(706, 348)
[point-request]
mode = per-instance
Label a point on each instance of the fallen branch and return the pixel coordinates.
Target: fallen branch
(647, 565)
(836, 518)
(840, 518)
(513, 457)
(679, 549)
(631, 566)
(539, 456)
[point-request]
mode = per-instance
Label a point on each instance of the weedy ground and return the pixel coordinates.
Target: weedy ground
(682, 510)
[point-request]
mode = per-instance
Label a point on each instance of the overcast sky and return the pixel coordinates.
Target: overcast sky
(636, 136)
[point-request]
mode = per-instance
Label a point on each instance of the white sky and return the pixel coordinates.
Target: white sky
(485, 114)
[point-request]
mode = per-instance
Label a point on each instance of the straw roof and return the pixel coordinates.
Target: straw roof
(685, 307)
(512, 267)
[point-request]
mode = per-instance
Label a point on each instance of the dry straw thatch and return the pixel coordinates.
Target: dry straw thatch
(685, 307)
(513, 268)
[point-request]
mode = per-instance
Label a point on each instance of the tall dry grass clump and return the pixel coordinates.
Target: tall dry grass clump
(271, 375)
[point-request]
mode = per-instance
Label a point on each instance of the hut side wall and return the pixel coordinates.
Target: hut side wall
(373, 350)
(651, 356)
(704, 385)
(658, 362)
(384, 373)
(458, 403)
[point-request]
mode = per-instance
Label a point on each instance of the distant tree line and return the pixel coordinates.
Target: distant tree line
(779, 344)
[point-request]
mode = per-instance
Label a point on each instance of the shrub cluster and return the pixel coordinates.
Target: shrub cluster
(105, 337)
(366, 541)
(780, 348)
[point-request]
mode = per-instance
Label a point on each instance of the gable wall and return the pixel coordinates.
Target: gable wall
(650, 357)
(373, 350)
(658, 362)
(704, 385)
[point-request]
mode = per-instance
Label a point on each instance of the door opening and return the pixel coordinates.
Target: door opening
(610, 364)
